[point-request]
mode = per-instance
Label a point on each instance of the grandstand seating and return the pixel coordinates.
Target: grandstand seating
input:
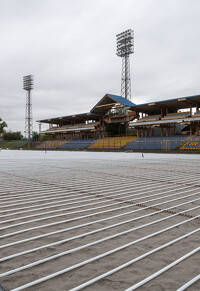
(78, 143)
(51, 144)
(149, 118)
(111, 142)
(176, 115)
(192, 144)
(81, 126)
(184, 142)
(157, 143)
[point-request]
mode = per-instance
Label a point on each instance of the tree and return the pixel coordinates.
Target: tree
(35, 136)
(3, 124)
(11, 135)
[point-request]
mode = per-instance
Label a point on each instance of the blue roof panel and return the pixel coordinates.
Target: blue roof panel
(118, 99)
(121, 100)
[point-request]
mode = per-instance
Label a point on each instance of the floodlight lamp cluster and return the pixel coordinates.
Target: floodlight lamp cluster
(28, 82)
(125, 43)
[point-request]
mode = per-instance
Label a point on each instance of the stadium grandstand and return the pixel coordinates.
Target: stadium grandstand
(115, 122)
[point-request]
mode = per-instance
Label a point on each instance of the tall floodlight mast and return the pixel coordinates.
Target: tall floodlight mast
(28, 86)
(125, 45)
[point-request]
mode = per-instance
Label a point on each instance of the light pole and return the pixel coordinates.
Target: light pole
(28, 86)
(125, 46)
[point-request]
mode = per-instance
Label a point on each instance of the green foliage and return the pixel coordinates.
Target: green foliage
(44, 137)
(13, 144)
(3, 124)
(35, 136)
(11, 135)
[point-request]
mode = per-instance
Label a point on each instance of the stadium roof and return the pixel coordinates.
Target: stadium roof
(171, 104)
(108, 101)
(79, 118)
(101, 108)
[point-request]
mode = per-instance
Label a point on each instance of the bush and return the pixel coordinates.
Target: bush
(35, 136)
(15, 135)
(2, 126)
(44, 137)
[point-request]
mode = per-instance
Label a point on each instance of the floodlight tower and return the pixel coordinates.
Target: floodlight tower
(124, 49)
(28, 86)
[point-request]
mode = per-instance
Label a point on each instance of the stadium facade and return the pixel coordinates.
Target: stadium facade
(162, 118)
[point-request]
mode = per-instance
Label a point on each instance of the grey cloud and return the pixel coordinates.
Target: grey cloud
(69, 47)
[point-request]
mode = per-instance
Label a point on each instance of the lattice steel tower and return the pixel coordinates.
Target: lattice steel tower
(125, 47)
(28, 86)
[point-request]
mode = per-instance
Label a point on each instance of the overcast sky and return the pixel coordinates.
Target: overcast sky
(70, 48)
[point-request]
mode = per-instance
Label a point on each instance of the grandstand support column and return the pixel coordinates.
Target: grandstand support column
(137, 132)
(161, 131)
(190, 128)
(170, 130)
(103, 128)
(145, 131)
(190, 110)
(150, 131)
(197, 128)
(167, 131)
(197, 107)
(126, 123)
(174, 129)
(100, 130)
